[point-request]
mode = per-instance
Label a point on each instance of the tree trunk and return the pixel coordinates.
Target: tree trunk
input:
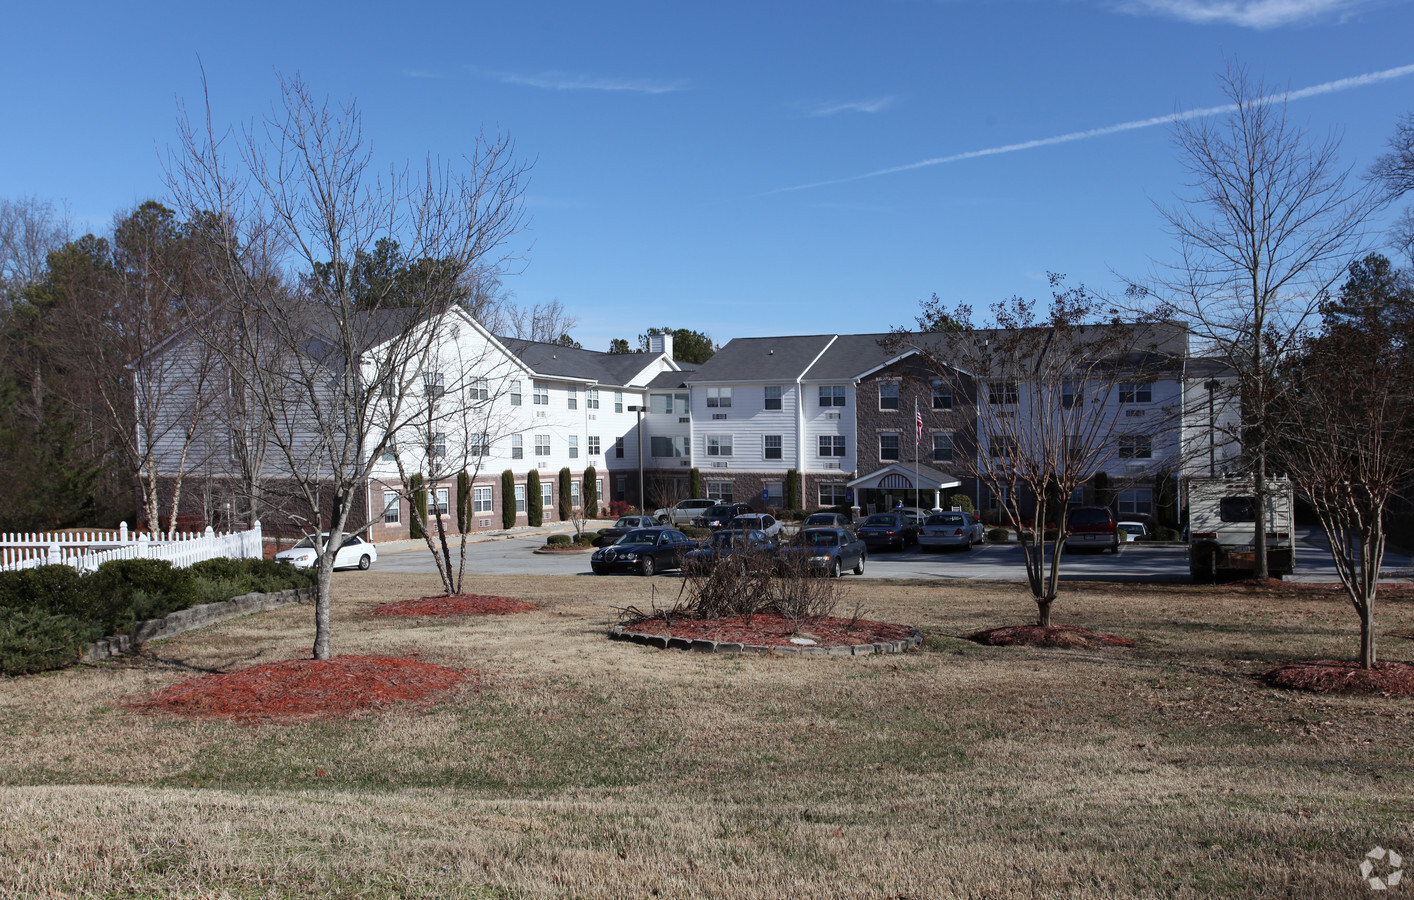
(321, 608)
(1367, 636)
(1259, 507)
(1043, 611)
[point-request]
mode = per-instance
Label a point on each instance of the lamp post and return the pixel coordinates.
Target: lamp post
(642, 501)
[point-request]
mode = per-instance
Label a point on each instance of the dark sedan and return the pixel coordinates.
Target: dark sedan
(729, 543)
(719, 515)
(828, 550)
(891, 529)
(826, 520)
(623, 526)
(645, 551)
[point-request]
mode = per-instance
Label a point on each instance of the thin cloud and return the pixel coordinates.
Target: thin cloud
(877, 104)
(1259, 14)
(1329, 87)
(565, 81)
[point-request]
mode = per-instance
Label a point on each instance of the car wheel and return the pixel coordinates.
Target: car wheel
(859, 566)
(835, 568)
(662, 520)
(364, 562)
(646, 568)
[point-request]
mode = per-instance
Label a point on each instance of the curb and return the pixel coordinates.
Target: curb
(192, 618)
(700, 645)
(547, 550)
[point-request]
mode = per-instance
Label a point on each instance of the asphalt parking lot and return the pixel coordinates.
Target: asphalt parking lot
(1138, 562)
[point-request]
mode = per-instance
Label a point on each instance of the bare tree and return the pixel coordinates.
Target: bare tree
(30, 229)
(542, 322)
(1045, 392)
(1346, 435)
(1270, 223)
(292, 214)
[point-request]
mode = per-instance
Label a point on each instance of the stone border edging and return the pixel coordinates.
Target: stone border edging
(194, 617)
(549, 550)
(703, 645)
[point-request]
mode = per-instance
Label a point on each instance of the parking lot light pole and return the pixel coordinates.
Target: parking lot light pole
(642, 500)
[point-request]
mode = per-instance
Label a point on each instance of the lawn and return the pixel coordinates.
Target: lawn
(573, 766)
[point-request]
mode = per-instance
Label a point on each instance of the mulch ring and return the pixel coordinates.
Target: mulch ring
(344, 687)
(1329, 676)
(458, 605)
(1066, 636)
(769, 631)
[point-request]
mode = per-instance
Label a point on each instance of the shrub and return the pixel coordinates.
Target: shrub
(559, 540)
(53, 589)
(33, 640)
(566, 502)
(619, 508)
(998, 536)
(963, 501)
(417, 509)
(792, 488)
(590, 492)
(508, 499)
(696, 532)
(694, 482)
(586, 537)
(534, 512)
(123, 591)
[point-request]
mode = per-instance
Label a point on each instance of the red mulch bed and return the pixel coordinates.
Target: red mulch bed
(1067, 636)
(459, 605)
(1329, 676)
(305, 689)
(771, 630)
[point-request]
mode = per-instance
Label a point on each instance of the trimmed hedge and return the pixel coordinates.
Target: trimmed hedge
(33, 640)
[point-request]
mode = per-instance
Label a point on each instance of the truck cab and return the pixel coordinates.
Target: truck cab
(1222, 528)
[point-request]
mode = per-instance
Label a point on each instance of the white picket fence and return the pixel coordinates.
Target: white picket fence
(86, 551)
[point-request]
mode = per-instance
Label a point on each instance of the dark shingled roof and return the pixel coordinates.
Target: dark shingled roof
(761, 359)
(574, 362)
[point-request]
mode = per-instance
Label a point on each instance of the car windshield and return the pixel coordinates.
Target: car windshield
(305, 544)
(882, 520)
(628, 522)
(727, 539)
(643, 536)
(720, 511)
(1090, 517)
(944, 519)
(820, 519)
(818, 539)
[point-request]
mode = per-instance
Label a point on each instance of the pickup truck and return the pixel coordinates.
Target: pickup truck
(1222, 523)
(683, 512)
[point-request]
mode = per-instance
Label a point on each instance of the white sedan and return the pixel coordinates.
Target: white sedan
(355, 553)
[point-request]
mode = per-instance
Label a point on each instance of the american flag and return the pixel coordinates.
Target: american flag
(918, 421)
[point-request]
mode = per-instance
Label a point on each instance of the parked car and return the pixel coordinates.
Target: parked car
(826, 520)
(1091, 527)
(684, 512)
(758, 521)
(950, 529)
(356, 553)
(623, 526)
(1132, 531)
(729, 543)
(898, 529)
(828, 550)
(718, 516)
(643, 550)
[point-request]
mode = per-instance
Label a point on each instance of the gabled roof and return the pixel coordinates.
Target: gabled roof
(554, 360)
(762, 359)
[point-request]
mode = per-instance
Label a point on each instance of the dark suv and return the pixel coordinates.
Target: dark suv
(1091, 527)
(719, 515)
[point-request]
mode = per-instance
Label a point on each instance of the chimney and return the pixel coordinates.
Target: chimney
(661, 343)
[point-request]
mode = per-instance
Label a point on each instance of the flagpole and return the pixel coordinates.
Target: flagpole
(917, 442)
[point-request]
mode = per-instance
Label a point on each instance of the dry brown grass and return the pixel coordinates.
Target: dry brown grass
(582, 767)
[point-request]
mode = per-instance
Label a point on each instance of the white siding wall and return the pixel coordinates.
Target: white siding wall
(818, 421)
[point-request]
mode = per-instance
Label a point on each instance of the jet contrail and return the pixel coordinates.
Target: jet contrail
(1330, 87)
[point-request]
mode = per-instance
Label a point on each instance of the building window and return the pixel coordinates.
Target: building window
(542, 445)
(442, 500)
(481, 499)
(1002, 393)
(669, 404)
(479, 390)
(1077, 496)
(721, 491)
(831, 395)
(574, 446)
(1136, 392)
(574, 494)
(480, 445)
(719, 445)
(997, 498)
(618, 451)
(515, 392)
(832, 445)
(621, 488)
(772, 447)
(1002, 446)
(540, 393)
(1070, 394)
(888, 395)
(719, 397)
(591, 398)
(1136, 502)
(888, 446)
(593, 445)
(547, 494)
(833, 495)
(942, 448)
(517, 447)
(773, 396)
(1136, 446)
(670, 446)
(618, 401)
(437, 444)
(572, 397)
(520, 498)
(432, 384)
(942, 396)
(775, 493)
(390, 449)
(599, 490)
(392, 508)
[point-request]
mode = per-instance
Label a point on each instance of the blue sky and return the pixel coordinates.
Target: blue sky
(700, 165)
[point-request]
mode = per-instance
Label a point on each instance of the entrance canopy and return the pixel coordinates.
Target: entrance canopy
(900, 477)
